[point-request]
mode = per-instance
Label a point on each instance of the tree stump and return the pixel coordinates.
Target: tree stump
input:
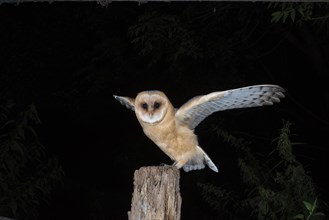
(156, 194)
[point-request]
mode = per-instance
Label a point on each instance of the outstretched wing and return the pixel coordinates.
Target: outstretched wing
(126, 101)
(200, 107)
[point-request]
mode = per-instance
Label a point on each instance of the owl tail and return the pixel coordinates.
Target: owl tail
(208, 161)
(199, 162)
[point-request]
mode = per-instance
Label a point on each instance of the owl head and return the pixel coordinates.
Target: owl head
(151, 106)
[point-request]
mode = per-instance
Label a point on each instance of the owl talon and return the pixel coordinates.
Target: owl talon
(180, 164)
(165, 165)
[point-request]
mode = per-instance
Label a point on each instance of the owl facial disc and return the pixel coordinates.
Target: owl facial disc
(150, 107)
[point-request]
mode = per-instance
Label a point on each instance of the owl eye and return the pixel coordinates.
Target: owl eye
(156, 105)
(144, 106)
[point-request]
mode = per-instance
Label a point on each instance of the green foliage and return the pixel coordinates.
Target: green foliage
(275, 186)
(290, 10)
(222, 199)
(298, 11)
(310, 210)
(26, 177)
(156, 35)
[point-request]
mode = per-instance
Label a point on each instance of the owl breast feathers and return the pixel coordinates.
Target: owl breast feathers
(173, 131)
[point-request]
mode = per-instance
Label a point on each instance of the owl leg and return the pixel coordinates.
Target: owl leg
(180, 163)
(168, 165)
(165, 165)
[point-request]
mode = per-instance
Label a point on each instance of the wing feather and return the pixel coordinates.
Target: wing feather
(198, 108)
(126, 101)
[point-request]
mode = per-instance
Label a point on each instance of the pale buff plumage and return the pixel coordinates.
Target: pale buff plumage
(173, 131)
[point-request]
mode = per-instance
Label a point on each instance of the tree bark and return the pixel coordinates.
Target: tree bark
(156, 194)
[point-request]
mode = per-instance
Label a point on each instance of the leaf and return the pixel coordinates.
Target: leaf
(276, 16)
(273, 4)
(293, 15)
(314, 205)
(285, 16)
(270, 4)
(300, 216)
(308, 206)
(7, 123)
(301, 11)
(283, 5)
(319, 214)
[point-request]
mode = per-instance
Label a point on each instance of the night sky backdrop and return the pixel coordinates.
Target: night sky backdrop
(68, 59)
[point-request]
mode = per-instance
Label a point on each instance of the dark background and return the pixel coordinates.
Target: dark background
(70, 58)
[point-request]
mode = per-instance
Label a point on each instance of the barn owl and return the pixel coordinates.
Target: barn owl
(172, 130)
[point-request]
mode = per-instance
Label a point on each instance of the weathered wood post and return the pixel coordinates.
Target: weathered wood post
(156, 194)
